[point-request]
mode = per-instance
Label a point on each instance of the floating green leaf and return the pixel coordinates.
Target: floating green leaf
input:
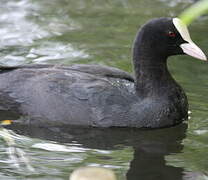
(194, 11)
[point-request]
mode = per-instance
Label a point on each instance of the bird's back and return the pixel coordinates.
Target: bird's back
(76, 95)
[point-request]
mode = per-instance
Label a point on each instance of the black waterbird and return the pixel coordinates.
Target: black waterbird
(101, 96)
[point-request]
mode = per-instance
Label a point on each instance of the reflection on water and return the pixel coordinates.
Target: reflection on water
(101, 31)
(15, 28)
(132, 153)
(46, 52)
(23, 26)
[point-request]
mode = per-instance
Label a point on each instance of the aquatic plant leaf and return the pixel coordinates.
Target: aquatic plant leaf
(194, 11)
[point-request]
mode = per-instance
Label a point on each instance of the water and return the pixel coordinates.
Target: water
(101, 31)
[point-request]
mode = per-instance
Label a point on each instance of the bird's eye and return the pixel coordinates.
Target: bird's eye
(171, 34)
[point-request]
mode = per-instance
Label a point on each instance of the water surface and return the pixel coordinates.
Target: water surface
(101, 31)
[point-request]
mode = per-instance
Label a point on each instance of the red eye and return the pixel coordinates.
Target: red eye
(171, 34)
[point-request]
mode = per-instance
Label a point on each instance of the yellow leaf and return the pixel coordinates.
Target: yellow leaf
(6, 122)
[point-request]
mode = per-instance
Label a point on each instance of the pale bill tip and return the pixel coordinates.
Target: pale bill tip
(193, 50)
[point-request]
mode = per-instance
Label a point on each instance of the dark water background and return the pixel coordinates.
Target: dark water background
(101, 31)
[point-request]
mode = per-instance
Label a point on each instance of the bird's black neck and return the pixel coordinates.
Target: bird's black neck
(151, 72)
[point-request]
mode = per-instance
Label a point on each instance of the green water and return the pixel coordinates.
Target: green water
(102, 31)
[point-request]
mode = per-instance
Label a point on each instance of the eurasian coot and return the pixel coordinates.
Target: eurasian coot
(101, 96)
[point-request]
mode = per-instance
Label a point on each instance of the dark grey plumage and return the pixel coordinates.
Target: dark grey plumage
(100, 96)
